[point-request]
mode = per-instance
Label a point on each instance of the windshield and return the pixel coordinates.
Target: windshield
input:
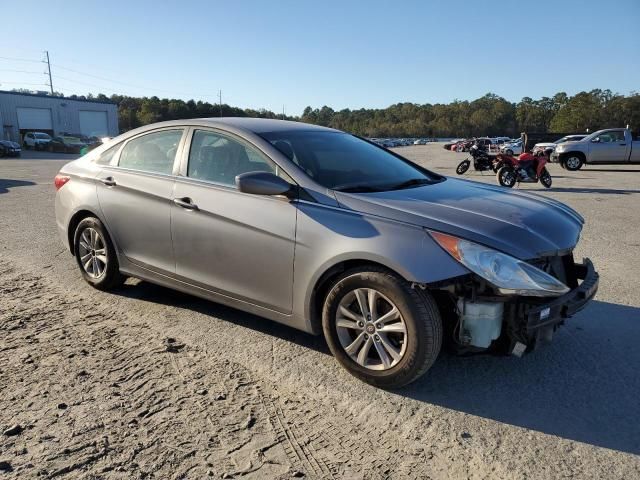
(42, 135)
(569, 138)
(340, 161)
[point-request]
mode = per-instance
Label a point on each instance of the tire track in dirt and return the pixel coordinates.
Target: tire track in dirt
(98, 393)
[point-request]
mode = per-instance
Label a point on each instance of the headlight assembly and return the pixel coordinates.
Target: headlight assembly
(510, 275)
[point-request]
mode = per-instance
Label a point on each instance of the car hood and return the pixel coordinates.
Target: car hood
(521, 224)
(9, 143)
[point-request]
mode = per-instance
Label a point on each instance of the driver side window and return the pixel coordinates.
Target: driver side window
(217, 158)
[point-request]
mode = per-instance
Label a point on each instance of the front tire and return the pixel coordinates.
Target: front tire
(463, 166)
(506, 177)
(573, 162)
(96, 256)
(381, 330)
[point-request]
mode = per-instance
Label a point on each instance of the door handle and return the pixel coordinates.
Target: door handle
(186, 203)
(109, 181)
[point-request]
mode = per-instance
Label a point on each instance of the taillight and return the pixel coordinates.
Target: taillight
(60, 180)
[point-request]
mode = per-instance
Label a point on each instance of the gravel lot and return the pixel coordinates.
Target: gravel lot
(150, 383)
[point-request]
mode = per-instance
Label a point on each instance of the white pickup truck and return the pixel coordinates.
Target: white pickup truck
(610, 146)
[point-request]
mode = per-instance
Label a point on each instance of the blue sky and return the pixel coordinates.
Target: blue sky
(345, 54)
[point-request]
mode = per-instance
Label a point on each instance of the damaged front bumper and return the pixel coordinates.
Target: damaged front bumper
(531, 321)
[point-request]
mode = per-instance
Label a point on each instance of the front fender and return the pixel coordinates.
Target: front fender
(328, 236)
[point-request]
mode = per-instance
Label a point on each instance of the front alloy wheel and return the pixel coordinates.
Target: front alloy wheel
(379, 328)
(371, 329)
(573, 163)
(506, 177)
(463, 166)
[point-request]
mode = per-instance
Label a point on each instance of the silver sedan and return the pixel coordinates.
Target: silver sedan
(328, 233)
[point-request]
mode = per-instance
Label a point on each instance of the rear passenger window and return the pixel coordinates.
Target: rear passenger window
(154, 152)
(107, 155)
(216, 158)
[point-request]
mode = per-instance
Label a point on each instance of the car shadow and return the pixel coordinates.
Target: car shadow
(607, 191)
(584, 386)
(6, 184)
(149, 292)
(614, 170)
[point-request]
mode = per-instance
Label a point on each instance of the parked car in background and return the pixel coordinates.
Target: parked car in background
(327, 233)
(609, 146)
(514, 148)
(9, 149)
(421, 141)
(551, 146)
(36, 140)
(66, 144)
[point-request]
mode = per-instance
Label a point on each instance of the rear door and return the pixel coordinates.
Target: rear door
(609, 147)
(233, 243)
(136, 196)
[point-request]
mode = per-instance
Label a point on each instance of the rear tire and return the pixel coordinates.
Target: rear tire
(96, 255)
(397, 337)
(463, 166)
(506, 177)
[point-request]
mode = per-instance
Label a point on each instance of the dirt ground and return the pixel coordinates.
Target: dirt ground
(150, 383)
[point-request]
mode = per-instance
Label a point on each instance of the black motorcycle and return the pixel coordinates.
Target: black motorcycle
(481, 161)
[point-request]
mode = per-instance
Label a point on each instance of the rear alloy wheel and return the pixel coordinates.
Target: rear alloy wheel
(463, 166)
(96, 256)
(380, 329)
(573, 163)
(506, 177)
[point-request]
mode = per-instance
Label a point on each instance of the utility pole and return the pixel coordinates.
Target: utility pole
(220, 97)
(283, 112)
(49, 68)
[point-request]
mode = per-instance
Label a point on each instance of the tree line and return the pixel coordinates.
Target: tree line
(488, 115)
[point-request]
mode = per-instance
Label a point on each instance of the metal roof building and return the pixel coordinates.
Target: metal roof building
(28, 112)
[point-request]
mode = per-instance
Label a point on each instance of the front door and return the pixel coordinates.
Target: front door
(136, 197)
(236, 244)
(609, 147)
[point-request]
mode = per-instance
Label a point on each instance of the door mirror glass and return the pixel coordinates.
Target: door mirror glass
(262, 183)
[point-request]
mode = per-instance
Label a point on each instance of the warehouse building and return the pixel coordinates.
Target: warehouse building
(29, 112)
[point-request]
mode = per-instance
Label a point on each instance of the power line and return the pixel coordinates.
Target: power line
(16, 59)
(110, 80)
(19, 71)
(139, 87)
(22, 83)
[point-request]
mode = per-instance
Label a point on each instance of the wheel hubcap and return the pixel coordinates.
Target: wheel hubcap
(371, 329)
(572, 162)
(92, 252)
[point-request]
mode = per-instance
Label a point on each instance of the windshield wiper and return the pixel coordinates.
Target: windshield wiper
(414, 182)
(351, 188)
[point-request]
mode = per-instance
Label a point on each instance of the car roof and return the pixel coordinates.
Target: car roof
(254, 125)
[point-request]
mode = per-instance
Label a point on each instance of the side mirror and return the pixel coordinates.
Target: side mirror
(596, 140)
(262, 183)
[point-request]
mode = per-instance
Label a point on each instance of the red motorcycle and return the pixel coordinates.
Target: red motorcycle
(527, 168)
